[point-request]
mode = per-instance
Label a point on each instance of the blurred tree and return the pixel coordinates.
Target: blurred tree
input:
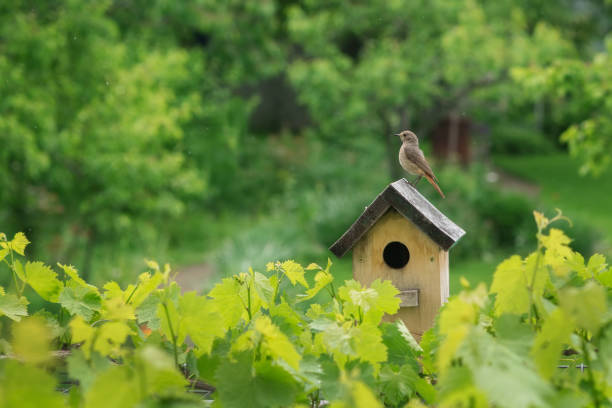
(92, 128)
(583, 93)
(372, 68)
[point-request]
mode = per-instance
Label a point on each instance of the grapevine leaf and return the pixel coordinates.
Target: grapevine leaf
(286, 318)
(586, 305)
(514, 334)
(75, 279)
(115, 388)
(3, 253)
(277, 344)
(82, 332)
(26, 386)
(115, 309)
(31, 340)
(401, 346)
(322, 279)
(313, 267)
(557, 251)
(548, 344)
(510, 284)
(13, 307)
(295, 272)
(43, 280)
(507, 379)
(369, 304)
(159, 374)
(455, 322)
(227, 302)
(81, 300)
(368, 345)
(147, 283)
(85, 371)
(18, 268)
(386, 301)
(597, 264)
(200, 321)
(362, 396)
(605, 278)
(110, 337)
(147, 312)
(397, 386)
(17, 244)
(263, 288)
(243, 384)
(171, 322)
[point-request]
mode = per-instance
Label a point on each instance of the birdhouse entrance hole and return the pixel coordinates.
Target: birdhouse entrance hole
(396, 255)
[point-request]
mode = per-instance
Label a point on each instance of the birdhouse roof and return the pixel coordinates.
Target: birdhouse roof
(407, 201)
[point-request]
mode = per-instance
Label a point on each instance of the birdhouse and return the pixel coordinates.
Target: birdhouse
(403, 238)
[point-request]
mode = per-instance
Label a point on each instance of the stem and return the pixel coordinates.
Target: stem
(127, 302)
(587, 360)
(532, 312)
(249, 301)
(280, 279)
(171, 333)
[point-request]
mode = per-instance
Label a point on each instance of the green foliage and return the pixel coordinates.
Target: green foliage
(582, 88)
(274, 339)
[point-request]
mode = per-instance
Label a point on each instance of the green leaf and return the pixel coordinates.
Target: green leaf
(276, 343)
(227, 302)
(597, 264)
(200, 321)
(322, 279)
(243, 384)
(17, 244)
(18, 268)
(369, 304)
(368, 345)
(586, 305)
(115, 309)
(401, 347)
(81, 300)
(79, 368)
(147, 283)
(159, 374)
(548, 344)
(146, 312)
(510, 285)
(43, 280)
(13, 307)
(25, 386)
(31, 340)
(295, 272)
(397, 386)
(263, 287)
(73, 274)
(116, 387)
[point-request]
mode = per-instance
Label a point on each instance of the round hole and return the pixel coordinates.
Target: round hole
(396, 255)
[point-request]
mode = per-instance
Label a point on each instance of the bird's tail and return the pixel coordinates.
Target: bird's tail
(433, 183)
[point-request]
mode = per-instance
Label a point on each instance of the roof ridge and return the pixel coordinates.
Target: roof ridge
(406, 200)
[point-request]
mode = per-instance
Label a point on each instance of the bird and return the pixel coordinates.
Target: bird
(413, 160)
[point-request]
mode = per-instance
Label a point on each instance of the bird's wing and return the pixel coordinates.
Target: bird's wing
(417, 157)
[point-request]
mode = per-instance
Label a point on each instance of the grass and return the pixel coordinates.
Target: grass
(579, 197)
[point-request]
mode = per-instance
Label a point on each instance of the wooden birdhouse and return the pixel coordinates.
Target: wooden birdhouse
(403, 238)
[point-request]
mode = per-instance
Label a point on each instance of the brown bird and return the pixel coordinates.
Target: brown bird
(412, 159)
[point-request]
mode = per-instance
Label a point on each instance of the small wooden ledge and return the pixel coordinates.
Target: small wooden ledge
(409, 298)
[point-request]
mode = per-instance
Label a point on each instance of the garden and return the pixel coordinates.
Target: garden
(173, 175)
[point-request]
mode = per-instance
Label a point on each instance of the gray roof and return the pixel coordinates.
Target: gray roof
(404, 198)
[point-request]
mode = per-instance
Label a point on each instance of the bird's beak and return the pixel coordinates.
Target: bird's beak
(396, 134)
